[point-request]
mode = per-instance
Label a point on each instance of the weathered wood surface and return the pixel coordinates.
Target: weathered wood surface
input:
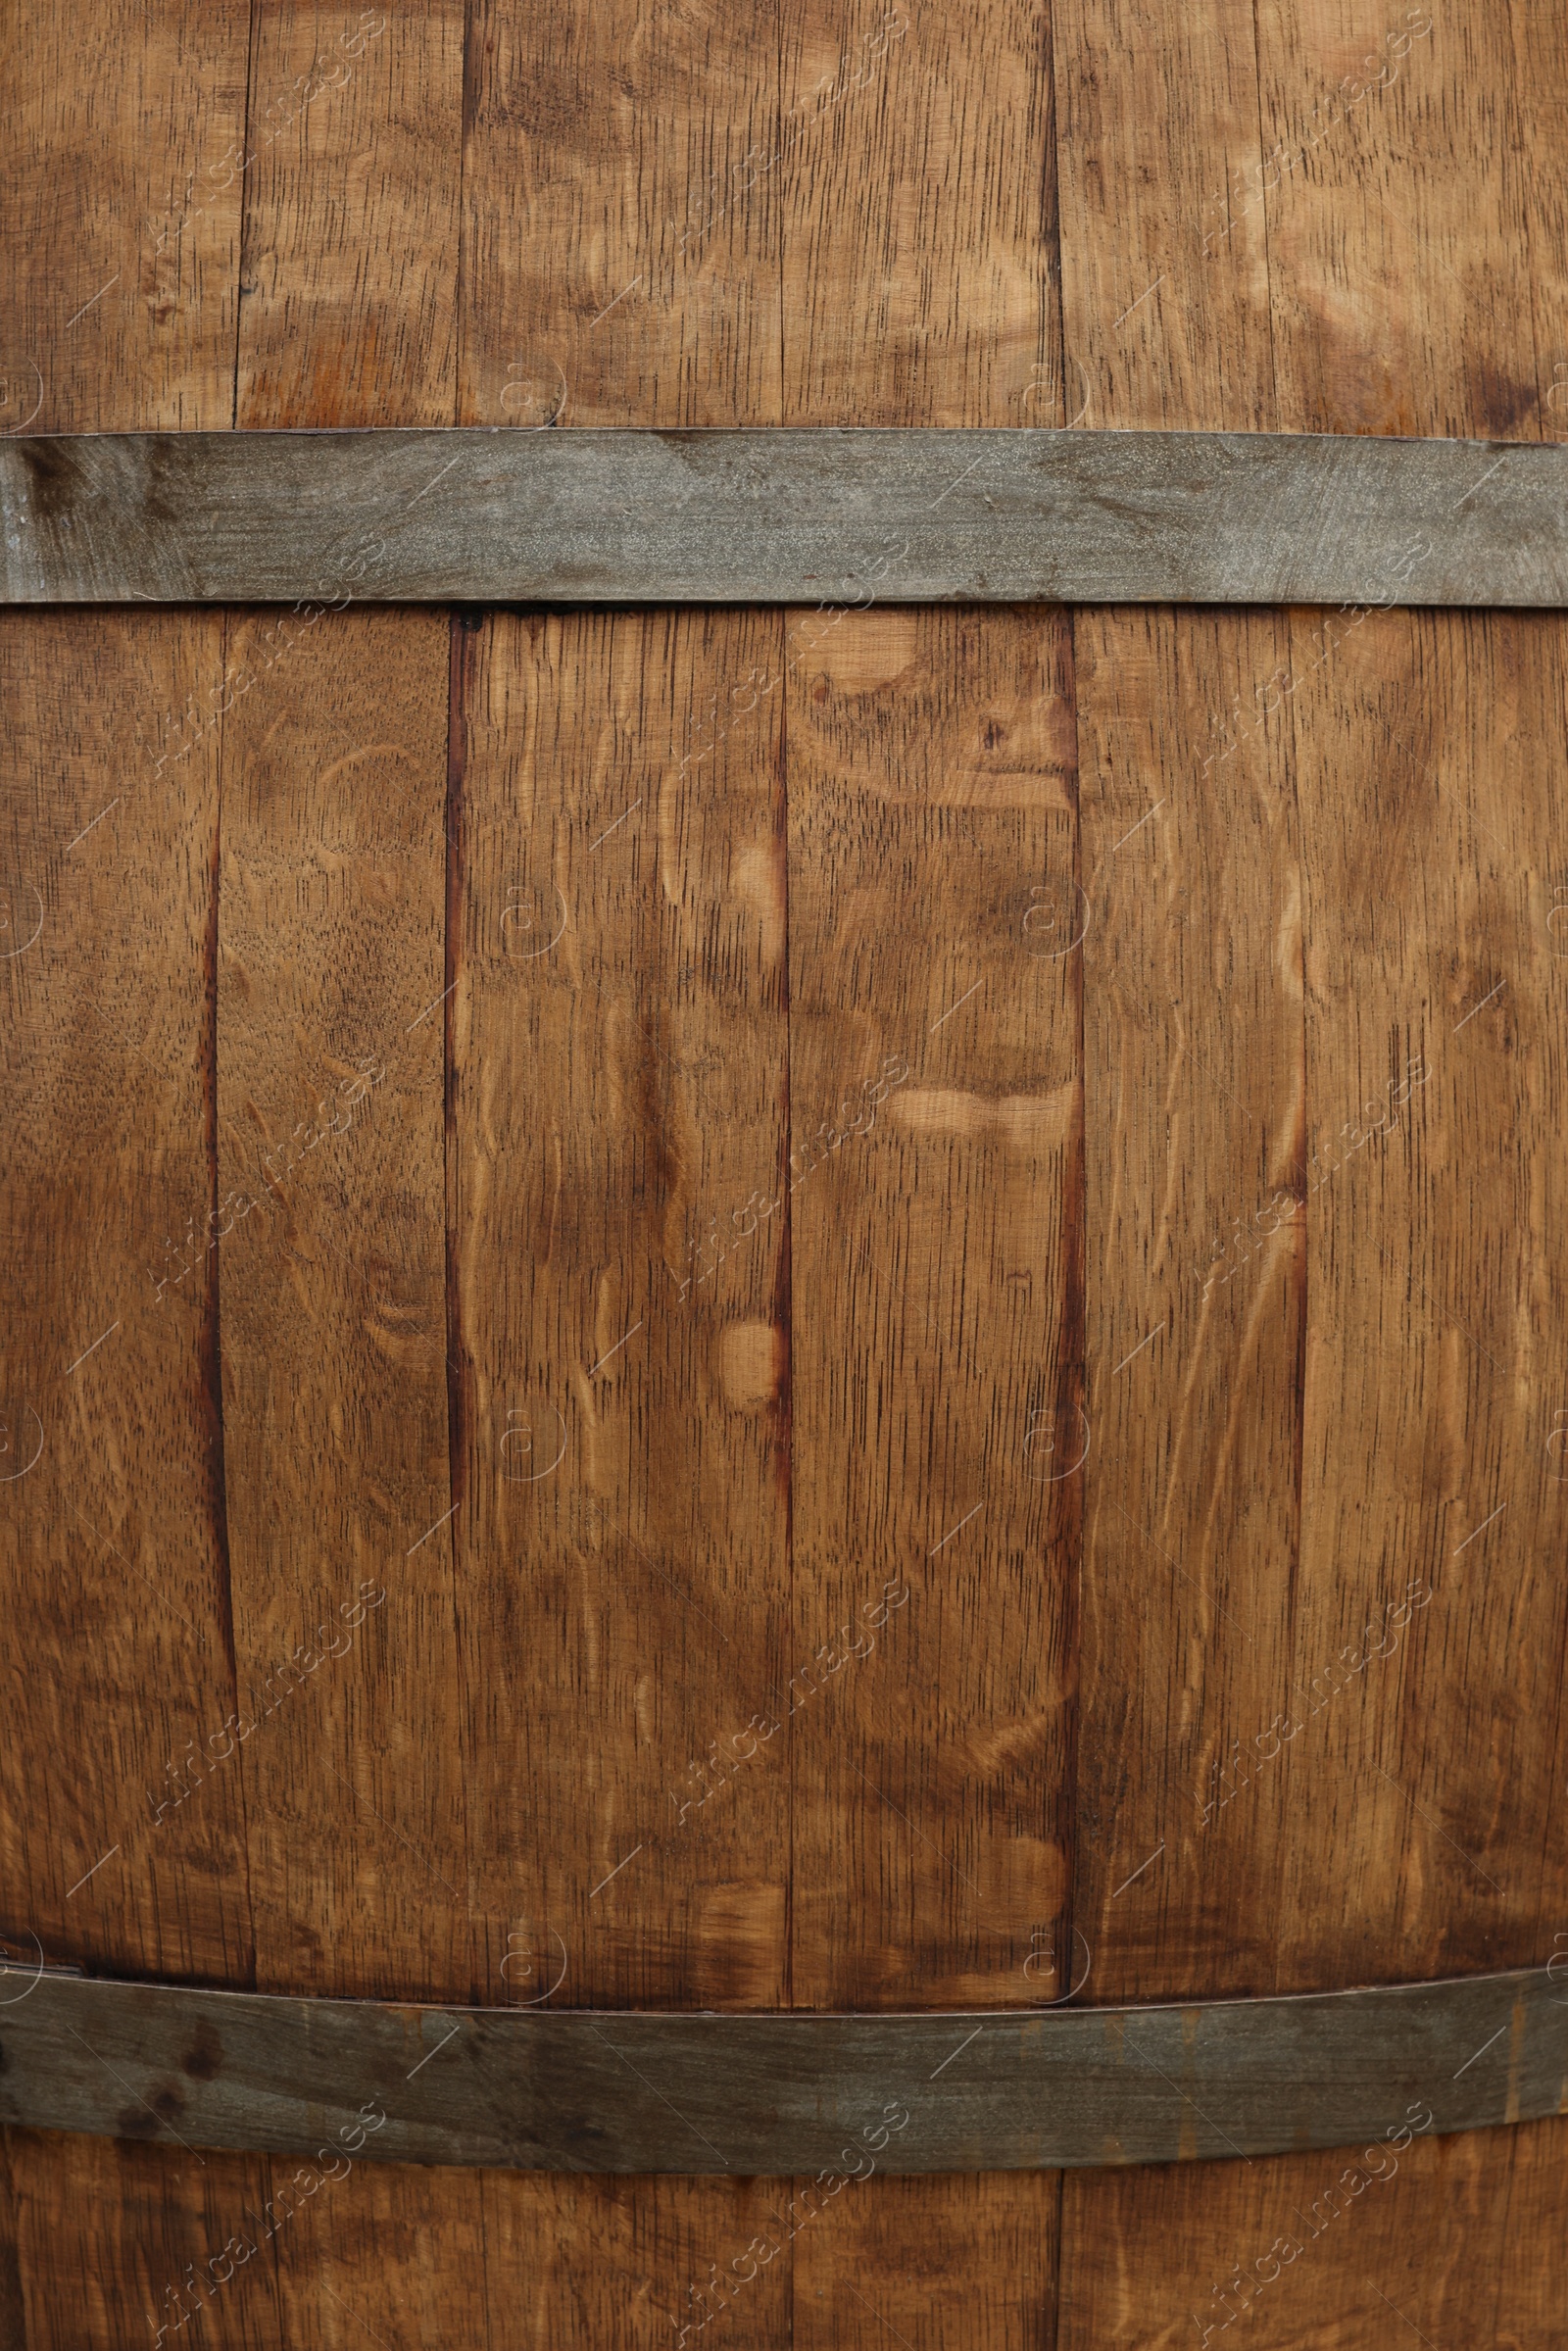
(817, 214)
(618, 1061)
(928, 1303)
(1323, 861)
(628, 2091)
(745, 516)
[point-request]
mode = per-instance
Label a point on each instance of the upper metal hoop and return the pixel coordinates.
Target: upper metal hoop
(781, 516)
(580, 2092)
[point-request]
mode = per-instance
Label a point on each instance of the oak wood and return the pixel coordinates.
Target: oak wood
(121, 266)
(607, 284)
(1193, 1054)
(379, 2247)
(111, 2231)
(330, 1121)
(1164, 317)
(113, 1498)
(1381, 284)
(915, 158)
(1540, 122)
(936, 1363)
(118, 288)
(1457, 2244)
(350, 279)
(1410, 204)
(331, 1063)
(929, 784)
(961, 2259)
(621, 176)
(1312, 1370)
(1432, 1280)
(616, 1126)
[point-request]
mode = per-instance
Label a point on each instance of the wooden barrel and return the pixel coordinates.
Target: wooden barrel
(783, 1397)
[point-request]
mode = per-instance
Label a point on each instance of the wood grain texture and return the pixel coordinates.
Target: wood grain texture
(1540, 77)
(330, 1053)
(918, 287)
(122, 254)
(1435, 1288)
(936, 1323)
(1405, 273)
(1456, 2240)
(331, 1115)
(351, 270)
(653, 2251)
(111, 2231)
(1252, 716)
(118, 288)
(934, 1259)
(918, 216)
(1192, 1033)
(1453, 2213)
(621, 172)
(619, 269)
(1193, 1048)
(330, 1162)
(943, 2260)
(1165, 319)
(619, 1361)
(1394, 207)
(13, 2300)
(380, 2250)
(115, 1572)
(1348, 279)
(617, 1142)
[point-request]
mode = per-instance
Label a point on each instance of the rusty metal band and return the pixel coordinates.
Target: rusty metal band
(781, 516)
(610, 2091)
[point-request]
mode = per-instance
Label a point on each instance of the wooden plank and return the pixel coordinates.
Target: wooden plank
(1227, 1722)
(1192, 1059)
(312, 2254)
(618, 1136)
(121, 262)
(1455, 2241)
(1542, 117)
(1164, 301)
(744, 2094)
(13, 2301)
(1316, 2245)
(331, 1115)
(112, 1497)
(330, 1106)
(118, 298)
(957, 2260)
(118, 284)
(1435, 1270)
(1395, 194)
(935, 1361)
(118, 2236)
(352, 217)
(629, 280)
(915, 154)
(1437, 1280)
(775, 516)
(630, 276)
(330, 1120)
(936, 1334)
(670, 2256)
(1193, 1029)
